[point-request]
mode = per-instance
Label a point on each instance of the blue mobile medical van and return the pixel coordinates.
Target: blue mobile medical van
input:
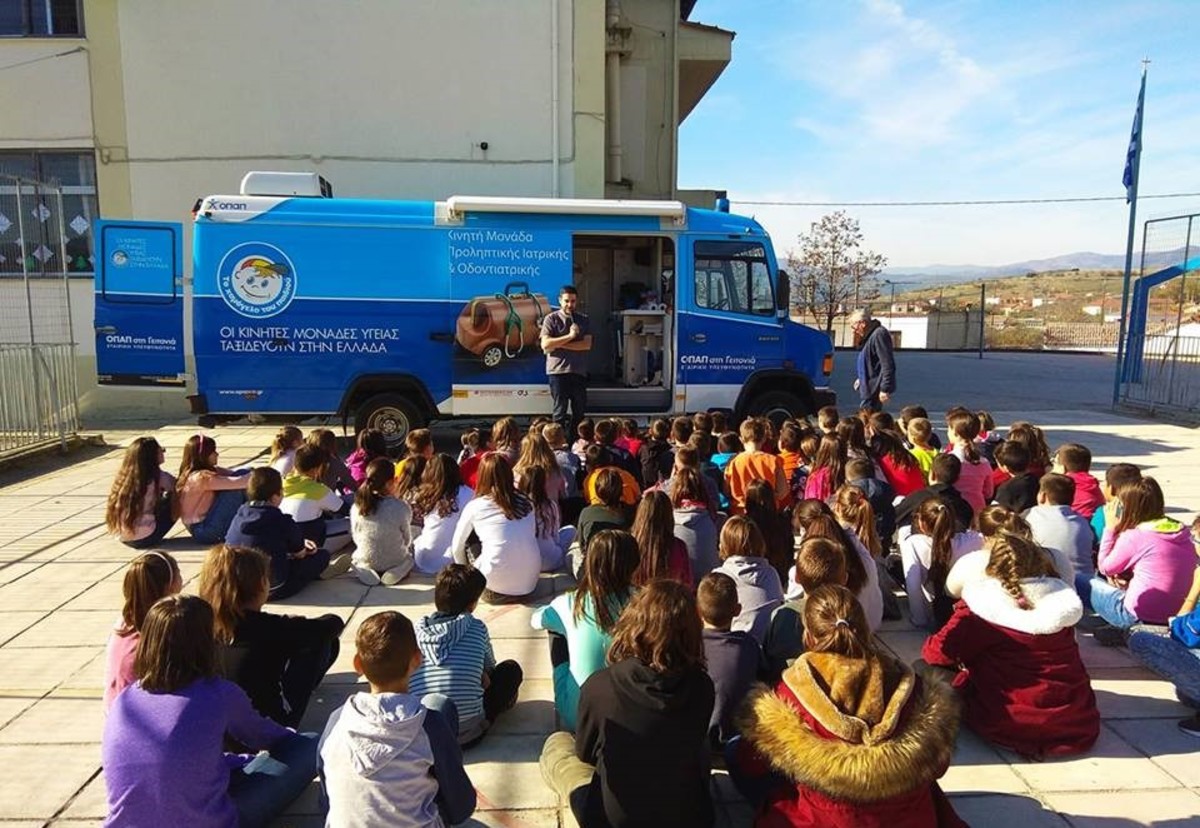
(397, 313)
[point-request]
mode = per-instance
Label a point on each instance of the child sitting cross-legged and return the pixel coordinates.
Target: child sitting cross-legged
(457, 658)
(580, 623)
(640, 755)
(312, 504)
(388, 756)
(849, 737)
(381, 527)
(732, 658)
(277, 659)
(163, 744)
(1012, 641)
(260, 524)
(927, 554)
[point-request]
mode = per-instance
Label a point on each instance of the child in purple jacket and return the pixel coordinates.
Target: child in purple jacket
(162, 749)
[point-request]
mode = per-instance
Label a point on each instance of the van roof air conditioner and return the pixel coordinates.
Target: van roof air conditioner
(286, 184)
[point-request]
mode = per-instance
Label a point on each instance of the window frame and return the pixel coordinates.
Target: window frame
(68, 190)
(703, 263)
(27, 7)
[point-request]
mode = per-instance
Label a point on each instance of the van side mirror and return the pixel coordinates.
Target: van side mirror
(783, 294)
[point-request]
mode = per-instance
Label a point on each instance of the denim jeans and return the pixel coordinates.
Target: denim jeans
(216, 523)
(268, 791)
(1171, 660)
(568, 390)
(1108, 602)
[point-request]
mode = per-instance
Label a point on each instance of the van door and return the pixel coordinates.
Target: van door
(139, 303)
(728, 328)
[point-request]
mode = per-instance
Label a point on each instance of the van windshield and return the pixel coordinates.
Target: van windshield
(733, 276)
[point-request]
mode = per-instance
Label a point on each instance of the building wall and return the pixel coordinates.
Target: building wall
(383, 98)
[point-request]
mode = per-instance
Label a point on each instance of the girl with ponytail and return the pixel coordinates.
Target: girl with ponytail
(850, 736)
(209, 495)
(1012, 640)
(813, 519)
(283, 449)
(150, 577)
(928, 551)
(974, 482)
(379, 524)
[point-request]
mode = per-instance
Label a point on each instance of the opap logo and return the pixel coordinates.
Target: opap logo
(257, 280)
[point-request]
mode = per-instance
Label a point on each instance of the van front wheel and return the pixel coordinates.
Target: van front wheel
(392, 415)
(777, 406)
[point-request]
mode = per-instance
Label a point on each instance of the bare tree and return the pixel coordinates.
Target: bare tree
(831, 272)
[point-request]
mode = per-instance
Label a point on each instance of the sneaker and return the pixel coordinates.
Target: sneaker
(365, 575)
(1191, 726)
(338, 565)
(1110, 637)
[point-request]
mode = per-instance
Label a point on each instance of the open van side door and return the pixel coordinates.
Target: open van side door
(139, 303)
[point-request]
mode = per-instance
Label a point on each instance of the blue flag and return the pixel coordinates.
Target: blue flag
(1135, 146)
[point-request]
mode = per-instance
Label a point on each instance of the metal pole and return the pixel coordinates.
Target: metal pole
(38, 422)
(982, 303)
(1137, 165)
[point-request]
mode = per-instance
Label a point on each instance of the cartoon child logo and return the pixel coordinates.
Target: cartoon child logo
(256, 280)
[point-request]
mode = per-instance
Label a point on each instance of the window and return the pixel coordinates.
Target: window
(733, 276)
(34, 231)
(40, 18)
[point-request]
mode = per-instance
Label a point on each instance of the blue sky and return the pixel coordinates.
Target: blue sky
(899, 100)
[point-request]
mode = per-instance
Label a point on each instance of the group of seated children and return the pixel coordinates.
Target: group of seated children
(706, 562)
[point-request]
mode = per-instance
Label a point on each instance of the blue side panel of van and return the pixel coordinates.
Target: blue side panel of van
(293, 305)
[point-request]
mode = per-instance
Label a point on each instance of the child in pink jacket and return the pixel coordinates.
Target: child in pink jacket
(1145, 562)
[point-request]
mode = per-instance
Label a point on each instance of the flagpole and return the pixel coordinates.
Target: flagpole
(1132, 194)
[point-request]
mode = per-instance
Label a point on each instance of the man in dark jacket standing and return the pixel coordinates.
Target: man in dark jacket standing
(876, 380)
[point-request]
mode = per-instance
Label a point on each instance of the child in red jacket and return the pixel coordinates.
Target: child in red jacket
(1012, 639)
(849, 738)
(1075, 461)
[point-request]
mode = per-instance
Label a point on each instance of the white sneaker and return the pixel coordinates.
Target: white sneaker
(338, 565)
(366, 575)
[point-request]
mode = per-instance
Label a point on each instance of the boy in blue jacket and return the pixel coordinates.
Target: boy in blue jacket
(387, 757)
(259, 524)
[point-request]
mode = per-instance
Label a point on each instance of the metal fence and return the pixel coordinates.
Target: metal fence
(1169, 379)
(38, 387)
(1160, 361)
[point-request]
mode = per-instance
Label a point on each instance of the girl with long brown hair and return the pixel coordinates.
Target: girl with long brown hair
(1146, 560)
(209, 494)
(539, 477)
(974, 482)
(828, 470)
(662, 554)
(580, 623)
(283, 449)
(164, 738)
(441, 498)
(762, 508)
(900, 468)
(641, 748)
(277, 659)
(1012, 641)
(996, 522)
(152, 576)
(142, 503)
(850, 736)
(503, 519)
(927, 552)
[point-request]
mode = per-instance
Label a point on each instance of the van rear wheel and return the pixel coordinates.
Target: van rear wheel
(777, 406)
(392, 415)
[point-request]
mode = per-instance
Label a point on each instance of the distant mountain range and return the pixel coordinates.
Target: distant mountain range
(939, 274)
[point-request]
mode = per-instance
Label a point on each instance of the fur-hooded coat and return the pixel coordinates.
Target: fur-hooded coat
(1020, 673)
(861, 742)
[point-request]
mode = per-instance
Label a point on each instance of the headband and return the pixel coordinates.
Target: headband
(161, 557)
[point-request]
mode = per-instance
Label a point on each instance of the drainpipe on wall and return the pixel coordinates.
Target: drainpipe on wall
(554, 137)
(616, 45)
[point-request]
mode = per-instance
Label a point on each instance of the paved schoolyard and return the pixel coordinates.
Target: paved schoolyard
(60, 593)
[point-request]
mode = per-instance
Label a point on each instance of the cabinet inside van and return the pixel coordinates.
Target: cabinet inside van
(626, 287)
